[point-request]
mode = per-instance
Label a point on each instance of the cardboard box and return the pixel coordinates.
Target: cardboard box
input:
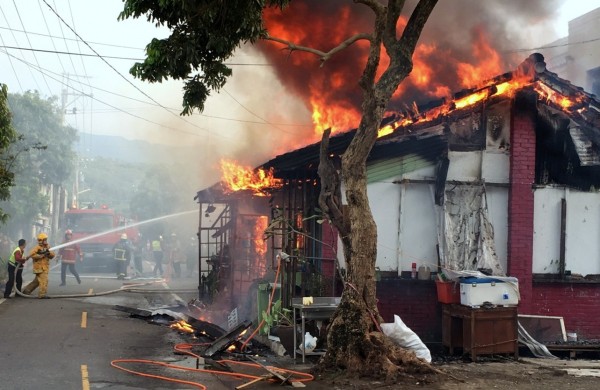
(475, 292)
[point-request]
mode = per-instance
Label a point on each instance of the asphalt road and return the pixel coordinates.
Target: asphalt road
(70, 342)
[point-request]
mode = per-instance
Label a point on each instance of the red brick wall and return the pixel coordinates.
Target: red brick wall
(576, 303)
(520, 198)
(415, 302)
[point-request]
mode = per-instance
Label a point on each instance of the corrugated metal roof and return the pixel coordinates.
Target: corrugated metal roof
(585, 111)
(426, 138)
(585, 148)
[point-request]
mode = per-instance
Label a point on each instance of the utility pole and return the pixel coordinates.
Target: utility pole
(68, 107)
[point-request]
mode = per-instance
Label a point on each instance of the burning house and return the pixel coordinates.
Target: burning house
(503, 177)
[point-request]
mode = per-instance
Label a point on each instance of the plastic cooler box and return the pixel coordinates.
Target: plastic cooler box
(475, 292)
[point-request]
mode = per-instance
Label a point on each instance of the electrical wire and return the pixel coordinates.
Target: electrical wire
(51, 39)
(29, 41)
(117, 108)
(116, 71)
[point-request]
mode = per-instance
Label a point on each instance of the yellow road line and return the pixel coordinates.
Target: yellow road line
(84, 319)
(85, 380)
(90, 291)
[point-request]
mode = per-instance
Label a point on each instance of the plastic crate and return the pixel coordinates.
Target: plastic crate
(448, 292)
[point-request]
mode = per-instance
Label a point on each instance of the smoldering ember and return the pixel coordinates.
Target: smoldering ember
(482, 185)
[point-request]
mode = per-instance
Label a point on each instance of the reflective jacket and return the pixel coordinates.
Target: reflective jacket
(41, 256)
(16, 257)
(122, 250)
(156, 246)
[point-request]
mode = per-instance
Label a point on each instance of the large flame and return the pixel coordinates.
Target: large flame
(330, 89)
(237, 177)
(449, 57)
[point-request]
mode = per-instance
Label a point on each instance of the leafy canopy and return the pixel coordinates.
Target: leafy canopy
(204, 34)
(41, 154)
(7, 137)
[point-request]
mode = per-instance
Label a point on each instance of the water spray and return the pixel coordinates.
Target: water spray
(77, 241)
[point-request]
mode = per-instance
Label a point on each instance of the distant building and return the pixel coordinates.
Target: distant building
(577, 56)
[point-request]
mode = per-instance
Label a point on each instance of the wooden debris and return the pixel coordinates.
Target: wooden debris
(276, 375)
(253, 381)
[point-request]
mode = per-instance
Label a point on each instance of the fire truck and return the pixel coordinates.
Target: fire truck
(99, 229)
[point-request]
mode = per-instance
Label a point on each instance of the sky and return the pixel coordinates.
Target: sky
(253, 119)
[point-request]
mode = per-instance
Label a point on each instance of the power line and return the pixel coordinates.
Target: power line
(39, 69)
(51, 40)
(70, 53)
(28, 41)
(553, 46)
(116, 71)
(262, 122)
(12, 65)
(256, 115)
(71, 39)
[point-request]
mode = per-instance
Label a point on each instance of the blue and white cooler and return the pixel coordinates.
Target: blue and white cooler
(501, 291)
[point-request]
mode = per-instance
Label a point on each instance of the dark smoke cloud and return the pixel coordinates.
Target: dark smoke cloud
(454, 28)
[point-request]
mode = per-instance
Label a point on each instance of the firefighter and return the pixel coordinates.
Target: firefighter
(157, 254)
(122, 255)
(41, 256)
(69, 255)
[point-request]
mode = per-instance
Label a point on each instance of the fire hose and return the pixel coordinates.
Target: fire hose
(185, 348)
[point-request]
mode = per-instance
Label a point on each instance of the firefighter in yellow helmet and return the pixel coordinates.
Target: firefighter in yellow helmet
(41, 256)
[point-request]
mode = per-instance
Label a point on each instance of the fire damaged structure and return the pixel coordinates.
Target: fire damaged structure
(504, 177)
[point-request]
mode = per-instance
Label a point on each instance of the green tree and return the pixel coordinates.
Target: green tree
(204, 34)
(7, 137)
(45, 158)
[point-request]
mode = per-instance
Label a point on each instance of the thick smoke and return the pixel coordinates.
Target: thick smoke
(460, 36)
(273, 98)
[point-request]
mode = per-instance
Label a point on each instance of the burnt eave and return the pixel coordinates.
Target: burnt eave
(303, 162)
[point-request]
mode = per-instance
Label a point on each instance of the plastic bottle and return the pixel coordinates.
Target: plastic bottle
(413, 274)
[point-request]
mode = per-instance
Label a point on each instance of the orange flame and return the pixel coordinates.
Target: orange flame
(182, 326)
(237, 178)
(565, 102)
(489, 62)
(260, 244)
(336, 117)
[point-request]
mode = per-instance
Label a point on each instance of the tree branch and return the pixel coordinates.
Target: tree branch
(324, 56)
(415, 24)
(377, 7)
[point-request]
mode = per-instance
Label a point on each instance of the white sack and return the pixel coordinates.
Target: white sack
(406, 338)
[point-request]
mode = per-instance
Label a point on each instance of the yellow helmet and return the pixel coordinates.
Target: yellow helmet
(42, 236)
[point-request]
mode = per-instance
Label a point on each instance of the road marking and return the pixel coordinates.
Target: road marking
(90, 291)
(85, 380)
(84, 319)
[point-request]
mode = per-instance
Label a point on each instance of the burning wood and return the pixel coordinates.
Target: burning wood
(227, 340)
(182, 326)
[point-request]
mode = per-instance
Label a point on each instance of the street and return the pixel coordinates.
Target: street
(69, 343)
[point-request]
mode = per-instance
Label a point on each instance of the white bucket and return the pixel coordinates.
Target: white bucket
(571, 336)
